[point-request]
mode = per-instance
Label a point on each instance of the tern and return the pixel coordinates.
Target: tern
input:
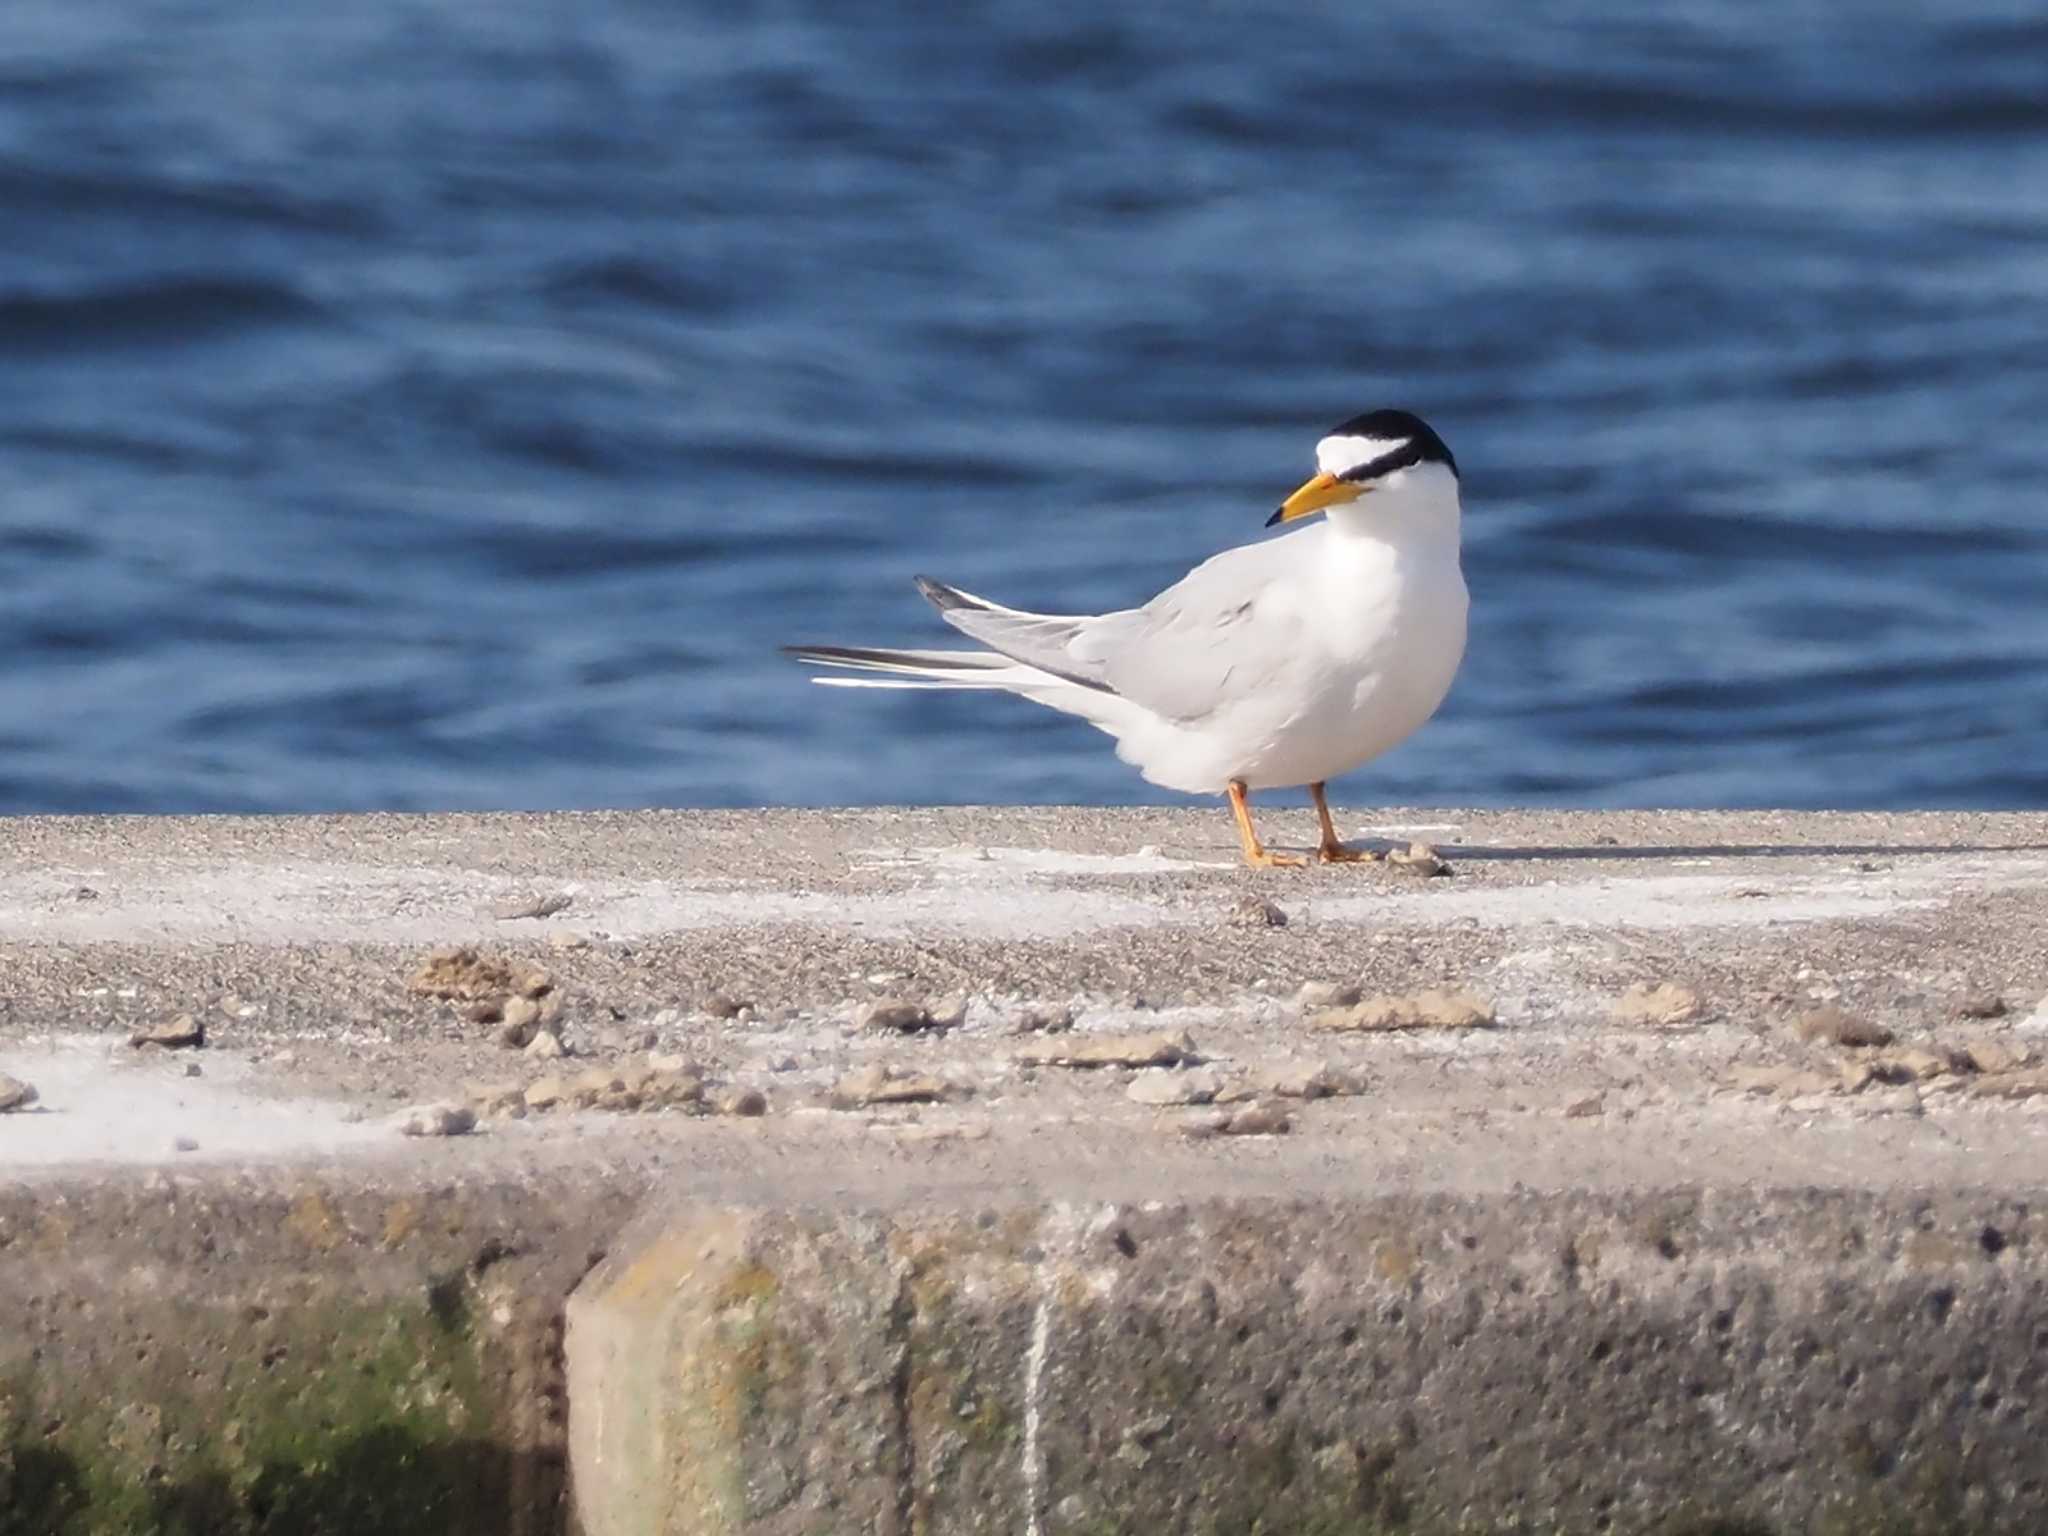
(1281, 663)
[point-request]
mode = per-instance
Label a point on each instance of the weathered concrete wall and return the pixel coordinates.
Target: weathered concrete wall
(1684, 1361)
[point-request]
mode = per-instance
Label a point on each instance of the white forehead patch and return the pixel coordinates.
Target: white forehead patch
(1340, 455)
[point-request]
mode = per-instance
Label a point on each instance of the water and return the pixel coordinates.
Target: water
(414, 405)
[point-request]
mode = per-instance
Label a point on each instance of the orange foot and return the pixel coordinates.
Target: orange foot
(1256, 853)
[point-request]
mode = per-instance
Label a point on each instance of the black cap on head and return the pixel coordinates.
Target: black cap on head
(1410, 440)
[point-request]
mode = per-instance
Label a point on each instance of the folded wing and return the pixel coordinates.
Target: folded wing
(1199, 646)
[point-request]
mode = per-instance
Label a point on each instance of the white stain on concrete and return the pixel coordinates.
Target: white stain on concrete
(102, 1102)
(1686, 901)
(981, 862)
(971, 892)
(1034, 1401)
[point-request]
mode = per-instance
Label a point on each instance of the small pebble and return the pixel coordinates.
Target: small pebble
(1665, 1003)
(1781, 1081)
(746, 1102)
(671, 1087)
(2025, 1083)
(458, 973)
(533, 906)
(1418, 859)
(1042, 1019)
(596, 1083)
(1313, 1080)
(878, 1084)
(546, 1092)
(15, 1094)
(1162, 1087)
(1256, 1120)
(1996, 1055)
(1327, 994)
(182, 1032)
(546, 1045)
(184, 1144)
(495, 1098)
(1255, 912)
(1163, 1049)
(1429, 1009)
(519, 1022)
(438, 1120)
(1919, 1063)
(893, 1014)
(1836, 1026)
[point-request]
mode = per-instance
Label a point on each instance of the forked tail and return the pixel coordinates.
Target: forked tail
(910, 668)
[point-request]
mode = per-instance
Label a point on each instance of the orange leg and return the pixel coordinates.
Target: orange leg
(1256, 853)
(1332, 851)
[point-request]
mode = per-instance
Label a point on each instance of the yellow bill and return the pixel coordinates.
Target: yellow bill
(1323, 491)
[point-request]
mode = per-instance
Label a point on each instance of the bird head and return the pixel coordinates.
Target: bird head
(1380, 452)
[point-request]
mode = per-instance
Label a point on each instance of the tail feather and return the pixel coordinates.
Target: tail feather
(879, 667)
(1034, 670)
(909, 668)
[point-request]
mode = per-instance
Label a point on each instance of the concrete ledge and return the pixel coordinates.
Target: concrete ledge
(1748, 1106)
(1682, 1361)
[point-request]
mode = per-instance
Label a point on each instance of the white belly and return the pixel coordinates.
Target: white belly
(1378, 648)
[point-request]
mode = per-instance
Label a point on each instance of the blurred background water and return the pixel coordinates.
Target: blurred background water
(410, 404)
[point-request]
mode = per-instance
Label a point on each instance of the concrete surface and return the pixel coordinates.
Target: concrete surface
(1811, 1361)
(1828, 1195)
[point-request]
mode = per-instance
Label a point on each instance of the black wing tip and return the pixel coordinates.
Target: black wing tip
(940, 596)
(823, 655)
(863, 656)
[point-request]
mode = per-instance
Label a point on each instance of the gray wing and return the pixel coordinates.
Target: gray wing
(1214, 636)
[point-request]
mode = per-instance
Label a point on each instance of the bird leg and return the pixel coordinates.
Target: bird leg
(1330, 850)
(1256, 853)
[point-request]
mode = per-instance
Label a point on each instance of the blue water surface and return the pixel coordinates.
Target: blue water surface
(420, 405)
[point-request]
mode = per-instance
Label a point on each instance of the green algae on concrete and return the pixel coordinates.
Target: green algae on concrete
(350, 1418)
(284, 1357)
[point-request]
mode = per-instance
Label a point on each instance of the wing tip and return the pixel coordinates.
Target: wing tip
(942, 597)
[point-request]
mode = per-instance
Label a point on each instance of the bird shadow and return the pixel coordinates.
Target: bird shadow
(1550, 852)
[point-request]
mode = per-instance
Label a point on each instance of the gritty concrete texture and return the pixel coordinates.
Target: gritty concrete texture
(1641, 1038)
(319, 1351)
(1693, 1361)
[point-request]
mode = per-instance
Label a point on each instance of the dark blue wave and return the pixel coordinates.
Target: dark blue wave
(170, 311)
